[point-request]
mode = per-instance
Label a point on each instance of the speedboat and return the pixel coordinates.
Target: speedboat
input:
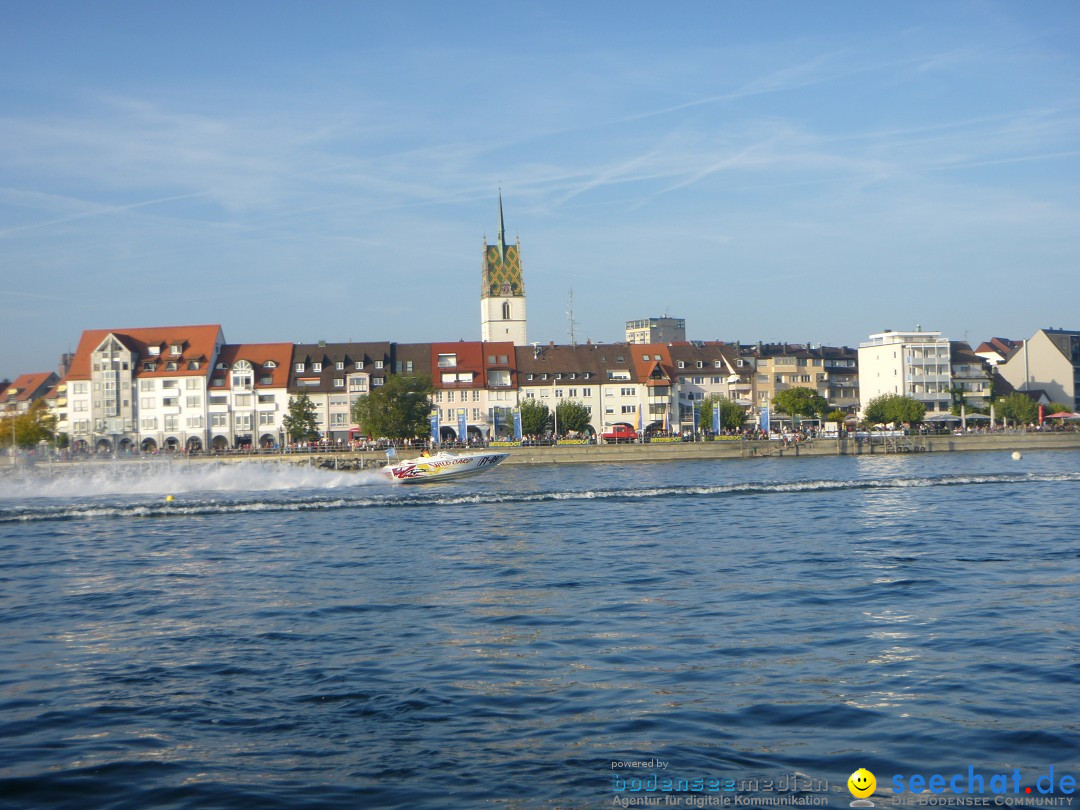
(441, 466)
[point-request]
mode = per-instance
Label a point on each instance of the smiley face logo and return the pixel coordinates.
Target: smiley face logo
(861, 783)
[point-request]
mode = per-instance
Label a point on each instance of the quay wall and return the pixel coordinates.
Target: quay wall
(683, 451)
(629, 453)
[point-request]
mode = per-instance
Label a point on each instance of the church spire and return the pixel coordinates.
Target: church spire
(502, 232)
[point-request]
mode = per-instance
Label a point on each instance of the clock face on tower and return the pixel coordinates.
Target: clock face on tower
(506, 290)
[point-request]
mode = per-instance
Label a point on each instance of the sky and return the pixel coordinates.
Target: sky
(773, 171)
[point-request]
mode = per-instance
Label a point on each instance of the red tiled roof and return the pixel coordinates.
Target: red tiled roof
(26, 385)
(198, 341)
(257, 354)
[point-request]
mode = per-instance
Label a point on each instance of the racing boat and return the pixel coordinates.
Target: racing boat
(441, 466)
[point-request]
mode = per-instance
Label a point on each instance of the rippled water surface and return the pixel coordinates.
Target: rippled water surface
(287, 637)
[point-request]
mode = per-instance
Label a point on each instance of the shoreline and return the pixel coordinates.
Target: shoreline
(642, 453)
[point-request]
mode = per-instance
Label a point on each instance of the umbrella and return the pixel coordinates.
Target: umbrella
(1062, 415)
(943, 417)
(971, 416)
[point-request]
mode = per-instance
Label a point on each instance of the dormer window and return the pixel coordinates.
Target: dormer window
(149, 367)
(681, 364)
(269, 364)
(339, 365)
(717, 364)
(316, 367)
(299, 366)
(193, 365)
(585, 375)
(359, 365)
(378, 364)
(171, 366)
(222, 366)
(177, 349)
(700, 364)
(529, 376)
(153, 350)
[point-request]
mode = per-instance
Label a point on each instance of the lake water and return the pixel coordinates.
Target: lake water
(293, 638)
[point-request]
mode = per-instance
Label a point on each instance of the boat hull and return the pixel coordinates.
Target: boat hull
(443, 467)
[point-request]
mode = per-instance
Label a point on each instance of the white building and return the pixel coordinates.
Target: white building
(912, 364)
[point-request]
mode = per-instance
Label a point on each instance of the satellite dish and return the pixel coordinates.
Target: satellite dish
(734, 378)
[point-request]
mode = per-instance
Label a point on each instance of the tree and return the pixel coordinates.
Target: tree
(894, 408)
(801, 402)
(299, 422)
(535, 417)
(1057, 407)
(572, 417)
(398, 409)
(732, 415)
(835, 416)
(34, 426)
(1017, 408)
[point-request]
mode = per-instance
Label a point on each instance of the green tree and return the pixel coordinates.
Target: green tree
(801, 402)
(1018, 408)
(398, 409)
(732, 415)
(535, 417)
(894, 408)
(836, 416)
(572, 417)
(1057, 407)
(299, 423)
(31, 428)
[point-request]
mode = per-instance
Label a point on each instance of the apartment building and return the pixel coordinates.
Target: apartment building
(913, 364)
(475, 387)
(334, 376)
(249, 395)
(1049, 360)
(143, 388)
(703, 369)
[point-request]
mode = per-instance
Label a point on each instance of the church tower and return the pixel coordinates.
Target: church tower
(502, 298)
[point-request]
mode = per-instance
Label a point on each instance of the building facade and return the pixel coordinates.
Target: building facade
(1050, 361)
(656, 330)
(913, 364)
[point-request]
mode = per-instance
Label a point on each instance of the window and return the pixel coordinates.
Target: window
(243, 400)
(177, 349)
(171, 423)
(220, 399)
(218, 382)
(501, 378)
(243, 421)
(193, 402)
(266, 399)
(558, 393)
(193, 383)
(148, 424)
(269, 364)
(449, 396)
(153, 351)
(219, 420)
(299, 366)
(170, 402)
(476, 414)
(586, 392)
(681, 364)
(339, 365)
(378, 364)
(222, 366)
(266, 417)
(476, 395)
(194, 421)
(149, 367)
(339, 420)
(626, 392)
(193, 365)
(447, 361)
(377, 381)
(572, 393)
(357, 384)
(339, 382)
(316, 367)
(506, 310)
(266, 380)
(629, 408)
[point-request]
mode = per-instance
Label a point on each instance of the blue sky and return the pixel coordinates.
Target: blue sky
(768, 171)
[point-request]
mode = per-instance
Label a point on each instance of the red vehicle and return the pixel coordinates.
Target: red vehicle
(620, 433)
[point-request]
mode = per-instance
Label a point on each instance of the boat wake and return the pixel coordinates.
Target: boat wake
(240, 489)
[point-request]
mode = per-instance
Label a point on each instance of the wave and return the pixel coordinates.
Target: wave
(392, 497)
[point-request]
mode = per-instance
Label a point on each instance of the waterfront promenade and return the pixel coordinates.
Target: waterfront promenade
(631, 453)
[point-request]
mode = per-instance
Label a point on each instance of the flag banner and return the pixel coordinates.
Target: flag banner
(435, 427)
(517, 424)
(716, 418)
(697, 418)
(765, 418)
(462, 425)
